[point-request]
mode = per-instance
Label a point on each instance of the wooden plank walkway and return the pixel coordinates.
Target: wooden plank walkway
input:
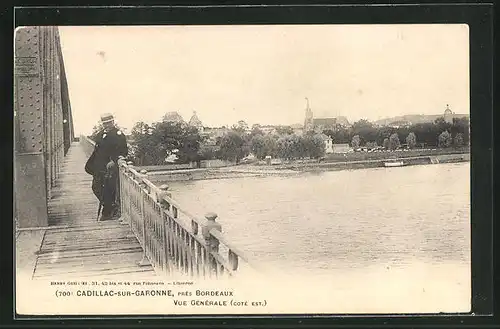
(78, 246)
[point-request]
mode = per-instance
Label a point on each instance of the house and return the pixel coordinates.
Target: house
(328, 143)
(298, 129)
(268, 129)
(173, 117)
(399, 124)
(319, 125)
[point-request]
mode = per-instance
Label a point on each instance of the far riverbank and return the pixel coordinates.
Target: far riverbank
(293, 169)
(405, 161)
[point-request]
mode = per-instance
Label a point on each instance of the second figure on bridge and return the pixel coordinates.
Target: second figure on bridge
(110, 143)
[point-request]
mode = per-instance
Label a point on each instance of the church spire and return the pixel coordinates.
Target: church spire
(309, 117)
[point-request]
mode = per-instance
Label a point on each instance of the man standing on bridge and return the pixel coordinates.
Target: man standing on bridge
(110, 143)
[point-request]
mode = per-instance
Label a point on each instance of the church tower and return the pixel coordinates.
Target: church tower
(448, 114)
(196, 122)
(308, 122)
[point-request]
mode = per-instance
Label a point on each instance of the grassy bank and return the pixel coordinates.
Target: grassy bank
(389, 155)
(294, 169)
(375, 163)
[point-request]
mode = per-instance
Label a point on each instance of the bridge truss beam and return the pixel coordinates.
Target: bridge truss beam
(43, 121)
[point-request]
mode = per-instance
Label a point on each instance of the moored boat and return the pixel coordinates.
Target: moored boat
(394, 164)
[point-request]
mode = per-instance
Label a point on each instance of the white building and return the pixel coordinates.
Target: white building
(328, 143)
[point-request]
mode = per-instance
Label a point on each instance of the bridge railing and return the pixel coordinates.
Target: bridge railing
(87, 144)
(172, 238)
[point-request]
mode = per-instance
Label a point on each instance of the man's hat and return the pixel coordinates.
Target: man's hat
(107, 117)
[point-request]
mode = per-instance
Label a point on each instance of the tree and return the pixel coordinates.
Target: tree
(241, 127)
(411, 140)
(290, 147)
(145, 146)
(258, 146)
(206, 152)
(315, 146)
(232, 147)
(461, 125)
(394, 141)
(153, 144)
(355, 142)
(256, 131)
(330, 133)
(383, 133)
(386, 143)
(263, 146)
(189, 145)
(341, 135)
(95, 130)
(458, 141)
(361, 124)
(441, 124)
(168, 137)
(365, 130)
(284, 130)
(427, 133)
(444, 139)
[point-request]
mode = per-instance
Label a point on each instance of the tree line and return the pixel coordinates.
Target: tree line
(433, 134)
(152, 144)
(236, 145)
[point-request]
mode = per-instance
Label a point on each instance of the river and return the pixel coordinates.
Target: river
(399, 228)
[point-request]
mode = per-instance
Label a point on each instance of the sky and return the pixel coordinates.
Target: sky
(262, 74)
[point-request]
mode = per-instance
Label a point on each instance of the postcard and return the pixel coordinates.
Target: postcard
(242, 169)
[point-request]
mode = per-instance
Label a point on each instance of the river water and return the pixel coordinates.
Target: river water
(385, 229)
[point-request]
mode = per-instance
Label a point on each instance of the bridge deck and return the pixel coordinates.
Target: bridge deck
(77, 246)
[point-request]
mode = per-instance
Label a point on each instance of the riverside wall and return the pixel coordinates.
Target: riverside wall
(294, 168)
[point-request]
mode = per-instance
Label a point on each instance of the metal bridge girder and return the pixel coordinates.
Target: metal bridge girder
(42, 136)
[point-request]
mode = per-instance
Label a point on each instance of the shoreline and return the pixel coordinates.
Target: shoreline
(295, 169)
